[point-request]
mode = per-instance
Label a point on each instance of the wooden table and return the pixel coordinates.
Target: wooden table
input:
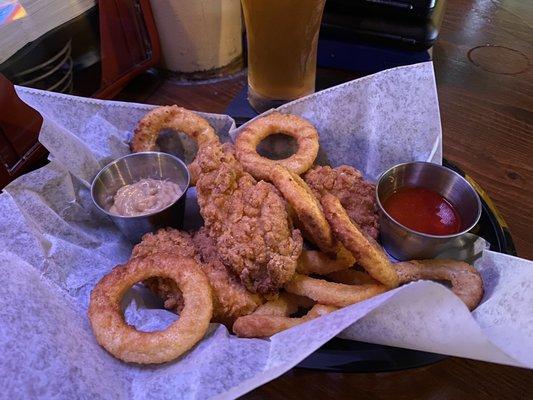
(486, 103)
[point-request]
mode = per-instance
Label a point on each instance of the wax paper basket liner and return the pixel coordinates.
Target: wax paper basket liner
(55, 246)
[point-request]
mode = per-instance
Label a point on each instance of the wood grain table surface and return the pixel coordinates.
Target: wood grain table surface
(483, 63)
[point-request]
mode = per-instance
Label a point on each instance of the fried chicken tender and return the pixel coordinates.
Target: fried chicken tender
(230, 298)
(247, 219)
(355, 194)
(306, 207)
(166, 240)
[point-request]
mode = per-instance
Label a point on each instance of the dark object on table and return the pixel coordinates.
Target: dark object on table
(19, 129)
(362, 58)
(376, 26)
(408, 8)
(57, 60)
(50, 67)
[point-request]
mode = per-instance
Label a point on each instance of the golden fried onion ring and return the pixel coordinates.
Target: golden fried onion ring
(465, 279)
(291, 125)
(316, 262)
(254, 325)
(178, 119)
(128, 344)
(284, 305)
(351, 277)
(306, 206)
(366, 250)
(330, 293)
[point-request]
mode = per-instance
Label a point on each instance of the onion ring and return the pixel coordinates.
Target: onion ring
(284, 305)
(165, 240)
(330, 293)
(128, 344)
(316, 262)
(291, 125)
(366, 250)
(351, 277)
(253, 325)
(465, 279)
(306, 206)
(178, 119)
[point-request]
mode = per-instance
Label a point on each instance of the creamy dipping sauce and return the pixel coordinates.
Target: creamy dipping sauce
(145, 197)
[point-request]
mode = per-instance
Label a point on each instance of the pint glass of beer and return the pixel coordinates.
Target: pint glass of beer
(282, 43)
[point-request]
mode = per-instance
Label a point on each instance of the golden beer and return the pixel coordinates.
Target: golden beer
(282, 44)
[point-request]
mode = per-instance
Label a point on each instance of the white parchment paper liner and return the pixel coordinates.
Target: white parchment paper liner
(54, 247)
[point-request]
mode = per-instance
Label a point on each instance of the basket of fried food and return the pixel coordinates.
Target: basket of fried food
(283, 242)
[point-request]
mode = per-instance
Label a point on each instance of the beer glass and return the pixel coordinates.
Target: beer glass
(282, 44)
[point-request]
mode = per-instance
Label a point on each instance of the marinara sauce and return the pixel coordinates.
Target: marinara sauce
(423, 210)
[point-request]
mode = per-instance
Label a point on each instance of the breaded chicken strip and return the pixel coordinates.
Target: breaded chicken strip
(230, 298)
(355, 194)
(247, 219)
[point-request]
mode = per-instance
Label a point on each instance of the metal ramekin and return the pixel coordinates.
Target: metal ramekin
(130, 169)
(406, 244)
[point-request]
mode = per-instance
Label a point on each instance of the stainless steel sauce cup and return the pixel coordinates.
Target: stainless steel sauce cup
(130, 169)
(406, 244)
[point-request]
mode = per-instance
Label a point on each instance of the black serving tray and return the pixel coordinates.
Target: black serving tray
(341, 355)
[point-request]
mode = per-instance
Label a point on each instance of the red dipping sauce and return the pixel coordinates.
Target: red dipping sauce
(423, 210)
